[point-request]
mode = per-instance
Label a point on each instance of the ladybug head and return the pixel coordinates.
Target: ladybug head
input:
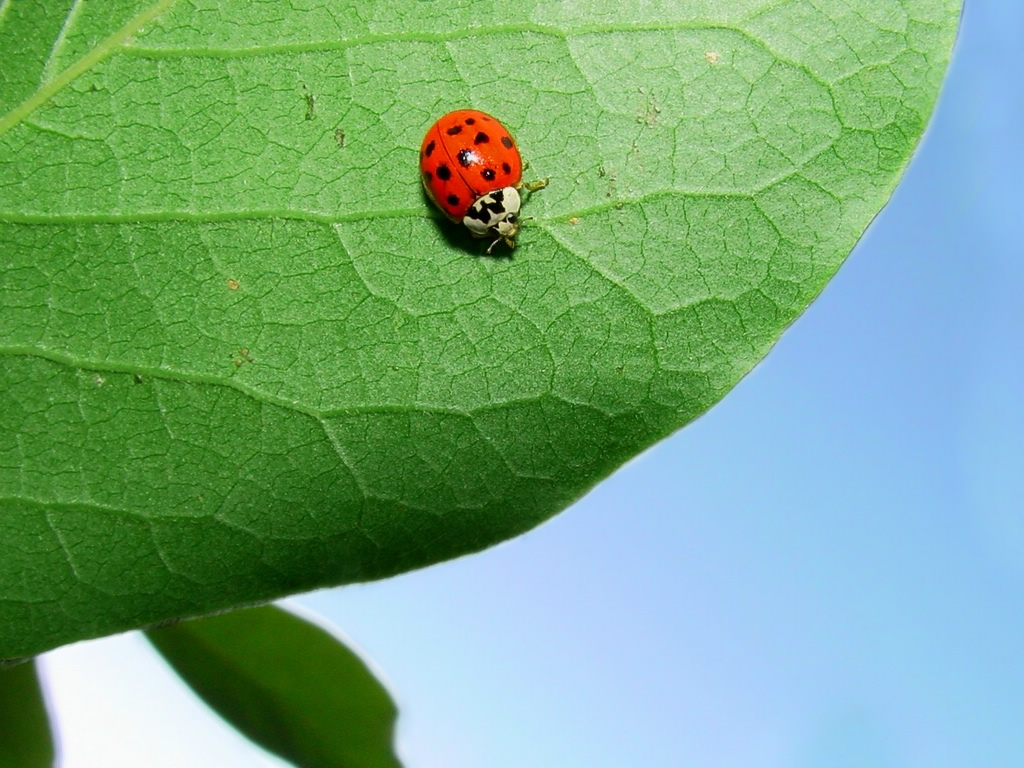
(495, 214)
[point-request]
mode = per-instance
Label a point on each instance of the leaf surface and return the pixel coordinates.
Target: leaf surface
(242, 356)
(290, 686)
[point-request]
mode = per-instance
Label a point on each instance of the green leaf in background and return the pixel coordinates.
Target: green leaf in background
(25, 738)
(242, 356)
(288, 685)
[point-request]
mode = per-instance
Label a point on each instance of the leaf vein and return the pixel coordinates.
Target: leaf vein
(51, 60)
(80, 67)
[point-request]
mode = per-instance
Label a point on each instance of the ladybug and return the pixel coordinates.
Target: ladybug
(472, 170)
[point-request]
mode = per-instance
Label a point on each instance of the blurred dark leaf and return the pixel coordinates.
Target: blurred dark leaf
(287, 684)
(25, 737)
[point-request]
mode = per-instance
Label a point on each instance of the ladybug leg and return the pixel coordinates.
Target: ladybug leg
(531, 186)
(509, 241)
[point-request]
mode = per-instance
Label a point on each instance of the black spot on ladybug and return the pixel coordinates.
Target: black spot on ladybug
(443, 172)
(467, 157)
(481, 138)
(488, 174)
(470, 120)
(506, 142)
(455, 130)
(427, 176)
(453, 199)
(504, 166)
(429, 150)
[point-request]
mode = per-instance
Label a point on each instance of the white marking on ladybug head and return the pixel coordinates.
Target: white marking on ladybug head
(496, 213)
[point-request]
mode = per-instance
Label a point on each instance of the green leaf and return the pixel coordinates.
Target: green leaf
(288, 685)
(242, 356)
(25, 739)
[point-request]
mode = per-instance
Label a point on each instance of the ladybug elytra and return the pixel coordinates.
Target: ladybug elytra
(472, 170)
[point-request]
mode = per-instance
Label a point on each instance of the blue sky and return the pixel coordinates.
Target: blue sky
(826, 570)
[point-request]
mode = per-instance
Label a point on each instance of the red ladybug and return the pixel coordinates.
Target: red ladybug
(472, 171)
